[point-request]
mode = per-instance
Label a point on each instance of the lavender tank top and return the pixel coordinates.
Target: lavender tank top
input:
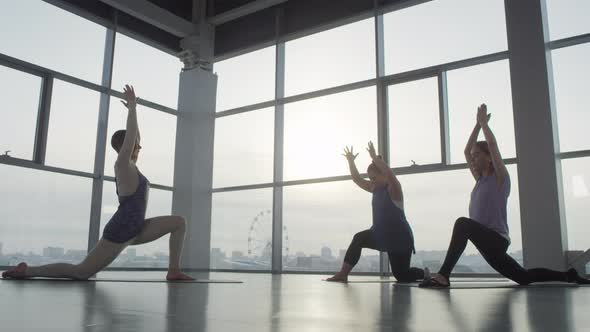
(488, 203)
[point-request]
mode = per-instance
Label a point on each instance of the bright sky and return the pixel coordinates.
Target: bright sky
(43, 209)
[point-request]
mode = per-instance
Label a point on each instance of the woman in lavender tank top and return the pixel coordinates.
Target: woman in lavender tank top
(486, 226)
(128, 225)
(391, 231)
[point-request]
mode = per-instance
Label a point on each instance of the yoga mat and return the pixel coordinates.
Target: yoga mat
(393, 281)
(478, 285)
(198, 281)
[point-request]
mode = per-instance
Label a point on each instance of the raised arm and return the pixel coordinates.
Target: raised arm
(356, 177)
(395, 187)
(126, 151)
(483, 119)
(470, 143)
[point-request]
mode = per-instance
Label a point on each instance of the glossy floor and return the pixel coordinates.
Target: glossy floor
(283, 303)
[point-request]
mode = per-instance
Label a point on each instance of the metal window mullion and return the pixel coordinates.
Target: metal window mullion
(101, 138)
(382, 116)
(443, 104)
(42, 128)
(279, 132)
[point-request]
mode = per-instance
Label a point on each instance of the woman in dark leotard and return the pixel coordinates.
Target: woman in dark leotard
(486, 226)
(128, 225)
(390, 232)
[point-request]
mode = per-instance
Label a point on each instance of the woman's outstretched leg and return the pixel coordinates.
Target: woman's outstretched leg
(102, 255)
(360, 240)
(160, 226)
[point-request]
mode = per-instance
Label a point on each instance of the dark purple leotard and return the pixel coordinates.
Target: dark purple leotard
(129, 219)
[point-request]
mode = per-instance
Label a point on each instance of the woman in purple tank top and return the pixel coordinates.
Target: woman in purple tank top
(128, 225)
(486, 226)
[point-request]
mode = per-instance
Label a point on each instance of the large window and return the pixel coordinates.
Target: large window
(152, 254)
(442, 31)
(576, 179)
(241, 230)
(72, 127)
(568, 18)
(317, 130)
(467, 89)
(45, 35)
(414, 123)
(153, 73)
(246, 79)
(19, 93)
(158, 136)
(244, 149)
(571, 71)
(321, 220)
(330, 58)
(44, 216)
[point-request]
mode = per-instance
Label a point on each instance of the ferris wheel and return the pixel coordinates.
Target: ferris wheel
(260, 237)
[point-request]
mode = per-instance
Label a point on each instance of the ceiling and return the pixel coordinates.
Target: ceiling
(240, 25)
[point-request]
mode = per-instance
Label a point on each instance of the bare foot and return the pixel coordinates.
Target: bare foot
(436, 281)
(17, 272)
(175, 276)
(338, 277)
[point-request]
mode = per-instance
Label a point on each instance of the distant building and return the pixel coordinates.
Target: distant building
(1, 250)
(236, 254)
(326, 253)
(53, 252)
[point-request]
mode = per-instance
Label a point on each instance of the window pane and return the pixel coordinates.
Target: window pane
(241, 230)
(37, 32)
(73, 121)
(570, 72)
(244, 149)
(414, 123)
(432, 218)
(442, 31)
(246, 79)
(464, 96)
(42, 210)
(317, 130)
(567, 18)
(153, 73)
(158, 141)
(335, 57)
(321, 220)
(153, 254)
(576, 177)
(19, 93)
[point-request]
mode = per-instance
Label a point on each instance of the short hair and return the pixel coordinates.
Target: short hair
(117, 139)
(373, 167)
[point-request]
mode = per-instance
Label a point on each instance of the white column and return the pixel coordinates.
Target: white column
(193, 169)
(539, 172)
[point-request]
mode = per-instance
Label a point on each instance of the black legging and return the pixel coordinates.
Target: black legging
(492, 247)
(399, 261)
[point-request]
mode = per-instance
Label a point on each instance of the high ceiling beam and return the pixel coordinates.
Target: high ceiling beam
(154, 15)
(244, 10)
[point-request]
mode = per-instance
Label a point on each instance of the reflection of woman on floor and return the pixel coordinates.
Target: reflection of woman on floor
(128, 225)
(390, 231)
(486, 226)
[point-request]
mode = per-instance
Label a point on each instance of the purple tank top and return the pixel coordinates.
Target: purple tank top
(488, 203)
